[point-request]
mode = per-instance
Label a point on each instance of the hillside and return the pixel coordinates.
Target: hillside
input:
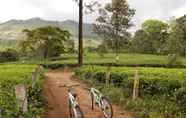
(12, 30)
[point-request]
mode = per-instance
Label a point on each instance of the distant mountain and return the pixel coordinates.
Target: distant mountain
(12, 30)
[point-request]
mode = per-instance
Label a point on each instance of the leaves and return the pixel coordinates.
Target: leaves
(45, 40)
(113, 22)
(11, 76)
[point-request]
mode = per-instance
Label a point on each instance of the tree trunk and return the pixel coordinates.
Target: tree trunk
(80, 59)
(45, 55)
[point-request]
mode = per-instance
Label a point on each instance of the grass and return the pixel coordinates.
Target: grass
(132, 59)
(94, 58)
(15, 71)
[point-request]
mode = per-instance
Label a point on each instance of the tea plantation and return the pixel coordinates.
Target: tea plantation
(10, 76)
(162, 91)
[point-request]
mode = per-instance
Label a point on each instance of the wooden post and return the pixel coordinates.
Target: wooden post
(108, 75)
(136, 86)
(80, 58)
(34, 77)
(1, 113)
(40, 69)
(21, 96)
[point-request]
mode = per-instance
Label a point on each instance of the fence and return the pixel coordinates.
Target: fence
(21, 91)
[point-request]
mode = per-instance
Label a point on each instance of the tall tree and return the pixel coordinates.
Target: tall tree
(140, 43)
(151, 38)
(177, 41)
(114, 21)
(47, 41)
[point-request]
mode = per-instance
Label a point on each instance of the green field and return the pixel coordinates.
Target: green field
(15, 71)
(12, 75)
(126, 59)
(162, 90)
(94, 58)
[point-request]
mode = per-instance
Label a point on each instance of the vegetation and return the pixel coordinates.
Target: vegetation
(151, 38)
(161, 90)
(9, 55)
(177, 39)
(45, 41)
(113, 23)
(125, 59)
(156, 44)
(12, 75)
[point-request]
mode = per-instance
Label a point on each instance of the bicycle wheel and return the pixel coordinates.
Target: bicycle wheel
(106, 107)
(71, 110)
(78, 113)
(92, 100)
(75, 112)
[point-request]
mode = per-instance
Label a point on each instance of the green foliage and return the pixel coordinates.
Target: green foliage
(161, 93)
(45, 41)
(177, 40)
(7, 44)
(9, 55)
(140, 43)
(11, 75)
(113, 23)
(181, 97)
(70, 46)
(151, 38)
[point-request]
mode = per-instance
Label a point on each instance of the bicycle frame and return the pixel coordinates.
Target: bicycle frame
(97, 96)
(72, 100)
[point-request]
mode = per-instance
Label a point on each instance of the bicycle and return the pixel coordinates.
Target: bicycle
(74, 108)
(102, 102)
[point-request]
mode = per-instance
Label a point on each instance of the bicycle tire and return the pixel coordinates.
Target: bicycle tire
(70, 110)
(106, 100)
(75, 112)
(78, 113)
(92, 100)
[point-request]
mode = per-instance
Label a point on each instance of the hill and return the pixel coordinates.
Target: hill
(12, 30)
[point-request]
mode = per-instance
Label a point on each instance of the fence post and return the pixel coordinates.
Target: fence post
(136, 86)
(40, 69)
(108, 73)
(21, 96)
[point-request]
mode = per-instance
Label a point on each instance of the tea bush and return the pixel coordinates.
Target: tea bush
(161, 89)
(12, 75)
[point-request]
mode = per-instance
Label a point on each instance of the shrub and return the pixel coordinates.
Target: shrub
(161, 89)
(12, 75)
(9, 55)
(181, 97)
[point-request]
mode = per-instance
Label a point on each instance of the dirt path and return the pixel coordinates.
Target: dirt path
(57, 97)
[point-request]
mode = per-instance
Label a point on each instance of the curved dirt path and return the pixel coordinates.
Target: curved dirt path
(56, 97)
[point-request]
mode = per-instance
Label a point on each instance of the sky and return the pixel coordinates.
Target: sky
(61, 10)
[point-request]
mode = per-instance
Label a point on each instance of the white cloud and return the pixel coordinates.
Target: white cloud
(10, 9)
(179, 12)
(68, 9)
